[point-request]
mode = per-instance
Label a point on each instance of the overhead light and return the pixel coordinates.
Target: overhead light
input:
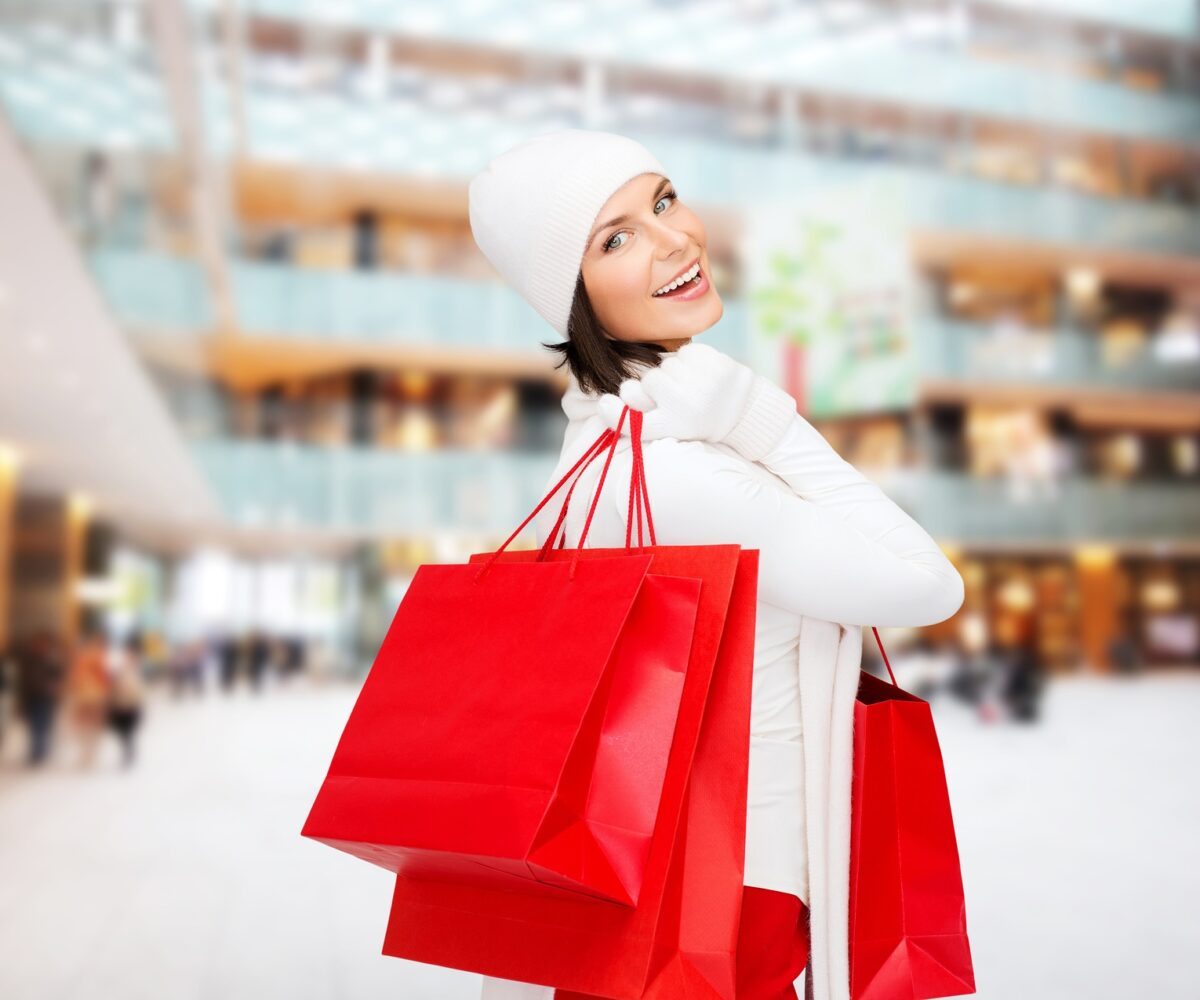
(1095, 556)
(1016, 595)
(10, 458)
(97, 590)
(79, 505)
(1083, 282)
(36, 343)
(1160, 595)
(961, 292)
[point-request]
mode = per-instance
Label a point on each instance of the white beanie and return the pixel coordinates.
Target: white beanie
(532, 207)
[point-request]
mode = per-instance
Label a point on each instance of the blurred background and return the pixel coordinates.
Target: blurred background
(254, 371)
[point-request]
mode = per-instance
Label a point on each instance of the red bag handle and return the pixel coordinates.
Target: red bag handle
(882, 652)
(639, 497)
(608, 438)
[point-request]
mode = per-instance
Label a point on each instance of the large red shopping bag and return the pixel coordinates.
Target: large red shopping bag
(516, 724)
(908, 922)
(680, 939)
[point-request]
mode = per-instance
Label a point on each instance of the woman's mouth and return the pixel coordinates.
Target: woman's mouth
(692, 289)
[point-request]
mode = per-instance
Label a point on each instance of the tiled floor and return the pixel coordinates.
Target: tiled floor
(186, 878)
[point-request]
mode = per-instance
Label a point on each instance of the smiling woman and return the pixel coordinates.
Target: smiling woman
(641, 283)
(633, 261)
(588, 227)
(643, 287)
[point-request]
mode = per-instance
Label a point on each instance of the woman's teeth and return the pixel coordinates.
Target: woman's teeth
(693, 275)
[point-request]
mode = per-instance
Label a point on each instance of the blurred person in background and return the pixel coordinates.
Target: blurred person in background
(977, 654)
(229, 654)
(1123, 652)
(294, 655)
(98, 206)
(185, 668)
(8, 673)
(156, 655)
(87, 693)
(126, 695)
(983, 678)
(1024, 679)
(258, 655)
(41, 674)
(923, 668)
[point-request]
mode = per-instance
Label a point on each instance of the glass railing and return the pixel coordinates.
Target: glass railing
(931, 199)
(153, 291)
(63, 86)
(954, 350)
(160, 293)
(1174, 18)
(871, 52)
(378, 492)
(374, 491)
(1073, 509)
(167, 295)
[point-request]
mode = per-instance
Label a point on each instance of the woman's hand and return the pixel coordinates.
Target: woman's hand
(699, 393)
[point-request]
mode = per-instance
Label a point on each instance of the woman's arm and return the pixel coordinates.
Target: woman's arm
(804, 460)
(835, 548)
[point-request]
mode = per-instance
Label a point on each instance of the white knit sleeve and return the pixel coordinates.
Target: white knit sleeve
(842, 552)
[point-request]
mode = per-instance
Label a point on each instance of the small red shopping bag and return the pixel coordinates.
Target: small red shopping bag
(680, 939)
(908, 923)
(516, 724)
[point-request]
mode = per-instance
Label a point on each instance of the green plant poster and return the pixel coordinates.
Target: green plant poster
(828, 287)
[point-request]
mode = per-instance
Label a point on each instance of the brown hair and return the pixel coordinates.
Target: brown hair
(598, 362)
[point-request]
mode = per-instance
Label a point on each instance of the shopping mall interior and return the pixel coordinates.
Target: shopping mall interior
(254, 370)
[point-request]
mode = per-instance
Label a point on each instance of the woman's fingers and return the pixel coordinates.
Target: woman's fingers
(610, 408)
(634, 393)
(655, 422)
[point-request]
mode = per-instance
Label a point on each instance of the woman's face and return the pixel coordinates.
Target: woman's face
(644, 236)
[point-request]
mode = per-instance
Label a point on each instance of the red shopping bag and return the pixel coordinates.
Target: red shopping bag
(908, 923)
(516, 725)
(680, 939)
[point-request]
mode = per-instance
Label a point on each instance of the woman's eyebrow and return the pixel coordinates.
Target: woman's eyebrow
(665, 182)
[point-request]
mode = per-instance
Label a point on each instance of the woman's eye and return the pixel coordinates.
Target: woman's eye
(608, 245)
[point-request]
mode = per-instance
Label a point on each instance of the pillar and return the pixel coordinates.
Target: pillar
(1099, 604)
(9, 461)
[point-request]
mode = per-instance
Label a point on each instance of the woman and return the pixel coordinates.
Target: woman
(126, 697)
(87, 693)
(588, 228)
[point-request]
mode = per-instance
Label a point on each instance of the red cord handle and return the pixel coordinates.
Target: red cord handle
(886, 662)
(637, 490)
(639, 503)
(639, 498)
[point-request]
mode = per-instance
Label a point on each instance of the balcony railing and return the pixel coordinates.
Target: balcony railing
(374, 492)
(378, 492)
(1071, 510)
(952, 350)
(168, 295)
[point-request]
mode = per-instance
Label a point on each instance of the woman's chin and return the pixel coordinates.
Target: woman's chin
(705, 318)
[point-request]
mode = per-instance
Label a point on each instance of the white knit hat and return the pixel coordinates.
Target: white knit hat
(532, 207)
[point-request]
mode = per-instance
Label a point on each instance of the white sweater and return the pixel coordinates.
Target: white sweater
(835, 553)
